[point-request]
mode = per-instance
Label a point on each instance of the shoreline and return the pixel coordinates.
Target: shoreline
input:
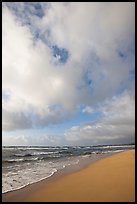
(84, 161)
(25, 193)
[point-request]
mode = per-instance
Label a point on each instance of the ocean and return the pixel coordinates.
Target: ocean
(24, 165)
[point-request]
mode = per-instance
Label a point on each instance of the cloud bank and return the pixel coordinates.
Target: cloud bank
(117, 124)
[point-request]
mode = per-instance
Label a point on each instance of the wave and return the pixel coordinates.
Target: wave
(35, 154)
(12, 160)
(25, 159)
(34, 181)
(115, 146)
(23, 155)
(19, 160)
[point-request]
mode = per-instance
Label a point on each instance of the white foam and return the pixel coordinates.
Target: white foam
(21, 176)
(14, 182)
(109, 151)
(87, 155)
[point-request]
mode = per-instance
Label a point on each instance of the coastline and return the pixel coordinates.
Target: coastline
(51, 189)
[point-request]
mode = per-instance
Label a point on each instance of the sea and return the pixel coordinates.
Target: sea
(24, 165)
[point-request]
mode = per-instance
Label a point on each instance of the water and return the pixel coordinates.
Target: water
(23, 165)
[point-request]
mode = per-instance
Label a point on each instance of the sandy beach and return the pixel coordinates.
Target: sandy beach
(107, 180)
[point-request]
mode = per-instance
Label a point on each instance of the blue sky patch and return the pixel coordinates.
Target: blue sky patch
(79, 119)
(34, 8)
(61, 54)
(23, 10)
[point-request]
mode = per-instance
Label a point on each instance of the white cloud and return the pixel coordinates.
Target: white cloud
(93, 34)
(30, 139)
(88, 109)
(14, 140)
(117, 124)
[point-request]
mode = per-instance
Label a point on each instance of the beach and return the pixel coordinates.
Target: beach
(110, 179)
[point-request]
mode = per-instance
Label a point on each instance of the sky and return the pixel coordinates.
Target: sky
(68, 73)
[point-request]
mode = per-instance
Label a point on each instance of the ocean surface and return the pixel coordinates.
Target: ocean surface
(23, 165)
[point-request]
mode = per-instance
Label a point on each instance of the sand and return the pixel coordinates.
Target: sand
(111, 179)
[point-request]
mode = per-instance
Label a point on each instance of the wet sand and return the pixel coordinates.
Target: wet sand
(107, 180)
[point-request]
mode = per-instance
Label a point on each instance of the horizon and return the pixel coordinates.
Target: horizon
(67, 145)
(68, 73)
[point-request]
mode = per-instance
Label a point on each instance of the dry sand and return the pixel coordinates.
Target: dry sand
(107, 180)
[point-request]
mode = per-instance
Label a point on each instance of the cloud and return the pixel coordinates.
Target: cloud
(117, 124)
(63, 55)
(88, 109)
(40, 139)
(16, 140)
(13, 121)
